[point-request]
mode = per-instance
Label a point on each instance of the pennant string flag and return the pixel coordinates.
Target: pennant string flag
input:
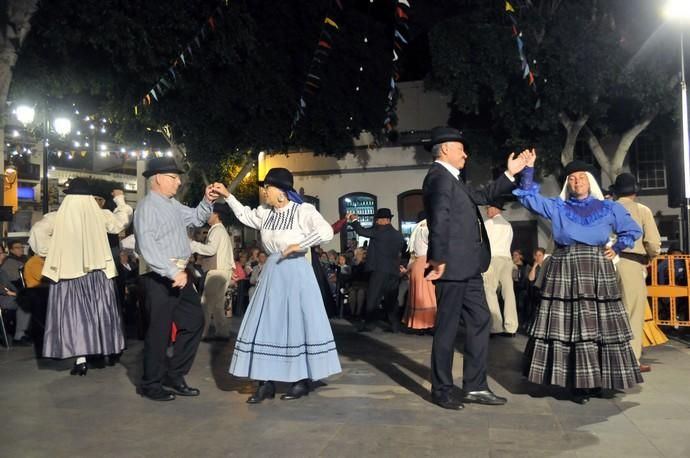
(312, 81)
(162, 86)
(527, 72)
(401, 29)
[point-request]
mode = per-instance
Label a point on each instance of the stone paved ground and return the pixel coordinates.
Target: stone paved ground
(378, 406)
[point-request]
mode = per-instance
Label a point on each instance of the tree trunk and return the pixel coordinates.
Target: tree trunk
(612, 166)
(14, 30)
(573, 129)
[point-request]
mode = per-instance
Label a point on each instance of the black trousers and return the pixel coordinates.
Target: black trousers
(455, 300)
(165, 304)
(383, 285)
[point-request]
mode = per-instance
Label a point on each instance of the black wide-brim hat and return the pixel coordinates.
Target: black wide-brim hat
(443, 135)
(161, 165)
(383, 213)
(279, 177)
(625, 185)
(80, 187)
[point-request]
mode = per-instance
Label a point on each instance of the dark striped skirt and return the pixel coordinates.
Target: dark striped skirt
(580, 336)
(82, 318)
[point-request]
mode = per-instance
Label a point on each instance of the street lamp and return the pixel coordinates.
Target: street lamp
(679, 11)
(62, 126)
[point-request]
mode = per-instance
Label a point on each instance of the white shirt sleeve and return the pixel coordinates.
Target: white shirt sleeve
(247, 216)
(119, 219)
(40, 234)
(314, 225)
(209, 248)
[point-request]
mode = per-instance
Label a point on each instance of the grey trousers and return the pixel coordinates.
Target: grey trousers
(23, 317)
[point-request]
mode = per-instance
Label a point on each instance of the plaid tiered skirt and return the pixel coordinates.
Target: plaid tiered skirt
(580, 336)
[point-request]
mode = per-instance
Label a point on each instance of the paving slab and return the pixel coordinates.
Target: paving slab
(378, 406)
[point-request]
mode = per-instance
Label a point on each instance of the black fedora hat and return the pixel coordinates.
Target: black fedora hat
(161, 165)
(577, 166)
(280, 178)
(383, 213)
(81, 187)
(625, 185)
(442, 135)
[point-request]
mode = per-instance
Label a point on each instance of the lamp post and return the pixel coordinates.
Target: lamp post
(679, 11)
(62, 126)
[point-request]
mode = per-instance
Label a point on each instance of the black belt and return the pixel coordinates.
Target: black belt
(641, 258)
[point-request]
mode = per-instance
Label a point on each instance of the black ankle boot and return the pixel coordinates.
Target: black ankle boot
(297, 390)
(265, 390)
(79, 369)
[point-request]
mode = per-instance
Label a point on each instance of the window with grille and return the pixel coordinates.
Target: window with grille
(648, 154)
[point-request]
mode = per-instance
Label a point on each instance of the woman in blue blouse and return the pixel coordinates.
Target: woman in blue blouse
(580, 336)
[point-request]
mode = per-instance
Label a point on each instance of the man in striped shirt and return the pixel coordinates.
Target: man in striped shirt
(160, 227)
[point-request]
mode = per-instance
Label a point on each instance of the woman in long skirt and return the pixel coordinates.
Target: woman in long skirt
(82, 315)
(285, 334)
(420, 313)
(580, 336)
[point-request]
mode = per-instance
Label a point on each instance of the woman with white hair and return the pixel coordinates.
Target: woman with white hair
(580, 335)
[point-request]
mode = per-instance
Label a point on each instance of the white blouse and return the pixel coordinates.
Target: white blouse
(419, 239)
(281, 227)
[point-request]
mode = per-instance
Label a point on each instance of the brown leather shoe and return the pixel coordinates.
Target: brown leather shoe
(645, 368)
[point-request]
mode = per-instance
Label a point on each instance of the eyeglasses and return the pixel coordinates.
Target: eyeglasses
(170, 175)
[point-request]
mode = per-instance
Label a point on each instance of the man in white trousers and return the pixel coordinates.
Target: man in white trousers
(500, 272)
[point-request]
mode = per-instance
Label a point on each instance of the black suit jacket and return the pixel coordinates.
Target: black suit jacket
(457, 236)
(385, 246)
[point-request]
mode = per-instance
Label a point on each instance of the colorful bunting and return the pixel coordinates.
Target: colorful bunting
(399, 40)
(162, 85)
(527, 72)
(312, 81)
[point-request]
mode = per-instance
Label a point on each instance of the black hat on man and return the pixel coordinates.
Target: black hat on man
(625, 185)
(383, 213)
(161, 165)
(443, 135)
(80, 186)
(279, 177)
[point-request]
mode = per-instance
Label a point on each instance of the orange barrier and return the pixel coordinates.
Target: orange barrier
(668, 290)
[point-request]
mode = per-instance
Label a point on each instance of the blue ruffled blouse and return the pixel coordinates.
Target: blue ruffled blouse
(589, 221)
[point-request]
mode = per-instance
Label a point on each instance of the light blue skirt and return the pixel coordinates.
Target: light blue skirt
(285, 335)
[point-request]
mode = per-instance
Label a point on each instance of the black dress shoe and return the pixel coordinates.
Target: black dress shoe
(23, 342)
(180, 387)
(362, 327)
(158, 395)
(296, 391)
(485, 397)
(580, 396)
(79, 369)
(265, 390)
(447, 402)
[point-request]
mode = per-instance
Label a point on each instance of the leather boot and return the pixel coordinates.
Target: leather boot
(265, 390)
(297, 390)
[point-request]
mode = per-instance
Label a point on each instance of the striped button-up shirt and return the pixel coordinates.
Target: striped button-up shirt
(160, 229)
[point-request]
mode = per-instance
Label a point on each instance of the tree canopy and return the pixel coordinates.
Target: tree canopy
(590, 62)
(241, 88)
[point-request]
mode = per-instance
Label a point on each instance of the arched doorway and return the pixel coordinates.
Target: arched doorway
(410, 204)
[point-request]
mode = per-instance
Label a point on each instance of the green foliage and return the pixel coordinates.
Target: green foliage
(588, 63)
(239, 91)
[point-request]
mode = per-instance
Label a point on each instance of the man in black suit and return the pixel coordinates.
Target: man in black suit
(383, 261)
(458, 254)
